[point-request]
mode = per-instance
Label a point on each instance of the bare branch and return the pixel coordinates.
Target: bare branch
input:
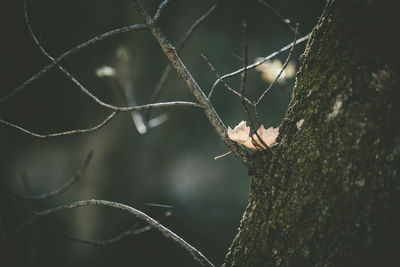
(197, 255)
(75, 178)
(159, 10)
(74, 50)
(108, 119)
(252, 66)
(185, 75)
(230, 89)
(285, 22)
(283, 68)
(158, 105)
(80, 131)
(167, 71)
(131, 231)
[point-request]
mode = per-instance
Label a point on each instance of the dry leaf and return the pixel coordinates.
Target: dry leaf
(268, 136)
(241, 135)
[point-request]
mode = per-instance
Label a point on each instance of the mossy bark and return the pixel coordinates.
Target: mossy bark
(329, 193)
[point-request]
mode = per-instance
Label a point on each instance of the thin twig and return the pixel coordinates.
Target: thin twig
(195, 25)
(74, 50)
(79, 131)
(242, 86)
(159, 10)
(283, 68)
(131, 231)
(167, 71)
(284, 21)
(223, 155)
(197, 255)
(75, 178)
(186, 76)
(230, 89)
(252, 66)
(157, 105)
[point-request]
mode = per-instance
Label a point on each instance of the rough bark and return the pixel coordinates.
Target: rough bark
(328, 195)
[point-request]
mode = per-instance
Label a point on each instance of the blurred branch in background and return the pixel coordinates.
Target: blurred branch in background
(75, 178)
(120, 77)
(131, 231)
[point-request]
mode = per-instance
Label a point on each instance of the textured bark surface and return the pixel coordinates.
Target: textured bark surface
(329, 194)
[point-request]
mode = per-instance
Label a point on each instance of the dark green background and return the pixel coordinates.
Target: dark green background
(173, 164)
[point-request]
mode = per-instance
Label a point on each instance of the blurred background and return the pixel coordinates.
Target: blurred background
(172, 164)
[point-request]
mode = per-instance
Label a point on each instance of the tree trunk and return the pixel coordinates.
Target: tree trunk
(328, 194)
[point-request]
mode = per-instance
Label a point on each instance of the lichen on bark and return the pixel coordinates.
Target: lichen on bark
(329, 193)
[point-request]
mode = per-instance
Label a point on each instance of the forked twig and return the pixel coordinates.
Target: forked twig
(230, 89)
(86, 91)
(167, 71)
(197, 255)
(252, 66)
(159, 10)
(74, 50)
(191, 83)
(75, 178)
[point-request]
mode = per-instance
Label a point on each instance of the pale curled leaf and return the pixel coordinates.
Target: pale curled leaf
(268, 136)
(241, 135)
